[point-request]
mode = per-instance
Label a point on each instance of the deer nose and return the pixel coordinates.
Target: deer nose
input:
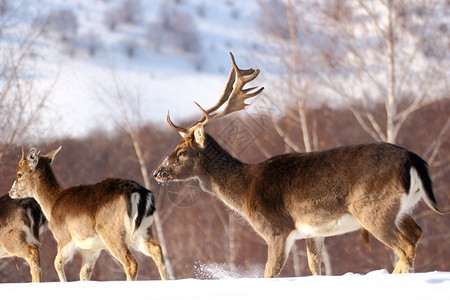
(13, 192)
(162, 173)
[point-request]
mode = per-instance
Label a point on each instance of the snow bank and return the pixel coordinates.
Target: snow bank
(374, 285)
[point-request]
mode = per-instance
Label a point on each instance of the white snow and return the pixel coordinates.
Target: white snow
(374, 285)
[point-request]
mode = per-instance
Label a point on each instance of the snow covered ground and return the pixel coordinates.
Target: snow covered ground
(374, 285)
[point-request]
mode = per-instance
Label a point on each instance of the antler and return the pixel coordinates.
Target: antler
(181, 130)
(233, 95)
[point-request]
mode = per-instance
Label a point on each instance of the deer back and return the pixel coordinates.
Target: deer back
(95, 203)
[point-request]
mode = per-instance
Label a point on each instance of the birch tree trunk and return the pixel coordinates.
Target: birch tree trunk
(391, 101)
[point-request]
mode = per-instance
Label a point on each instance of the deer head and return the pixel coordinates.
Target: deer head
(28, 169)
(186, 159)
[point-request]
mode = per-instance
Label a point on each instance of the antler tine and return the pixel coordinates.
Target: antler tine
(181, 130)
(249, 95)
(233, 95)
(243, 72)
(206, 117)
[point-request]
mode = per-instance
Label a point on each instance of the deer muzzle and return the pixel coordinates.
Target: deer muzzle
(13, 192)
(163, 174)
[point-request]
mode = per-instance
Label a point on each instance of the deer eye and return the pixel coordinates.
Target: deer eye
(182, 153)
(19, 175)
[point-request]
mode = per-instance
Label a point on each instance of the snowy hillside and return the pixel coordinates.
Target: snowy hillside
(166, 54)
(143, 58)
(375, 285)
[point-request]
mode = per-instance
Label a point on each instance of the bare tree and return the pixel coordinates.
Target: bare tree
(365, 53)
(385, 55)
(22, 97)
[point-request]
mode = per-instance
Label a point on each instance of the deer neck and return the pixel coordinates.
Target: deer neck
(46, 190)
(223, 175)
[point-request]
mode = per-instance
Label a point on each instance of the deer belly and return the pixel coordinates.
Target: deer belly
(90, 243)
(346, 223)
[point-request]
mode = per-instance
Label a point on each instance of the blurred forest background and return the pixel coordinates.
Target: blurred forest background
(334, 72)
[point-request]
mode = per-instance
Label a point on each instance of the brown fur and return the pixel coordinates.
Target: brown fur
(15, 240)
(312, 190)
(89, 218)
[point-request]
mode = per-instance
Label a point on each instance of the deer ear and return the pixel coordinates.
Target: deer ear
(33, 158)
(51, 155)
(199, 135)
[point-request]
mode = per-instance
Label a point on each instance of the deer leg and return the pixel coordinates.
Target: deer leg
(126, 258)
(153, 249)
(63, 255)
(128, 262)
(412, 232)
(115, 243)
(406, 253)
(399, 242)
(277, 256)
(405, 250)
(87, 264)
(314, 247)
(410, 229)
(34, 260)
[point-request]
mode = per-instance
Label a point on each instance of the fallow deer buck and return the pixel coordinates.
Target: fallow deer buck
(115, 214)
(21, 223)
(306, 195)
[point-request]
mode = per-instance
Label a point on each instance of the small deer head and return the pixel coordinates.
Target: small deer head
(29, 169)
(186, 161)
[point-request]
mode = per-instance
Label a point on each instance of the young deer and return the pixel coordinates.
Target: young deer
(306, 195)
(114, 214)
(21, 222)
